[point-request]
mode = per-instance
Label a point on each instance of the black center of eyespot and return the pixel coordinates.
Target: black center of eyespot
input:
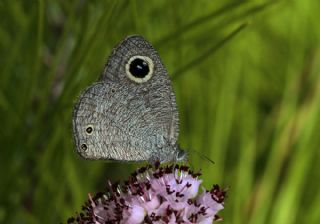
(89, 130)
(84, 147)
(139, 68)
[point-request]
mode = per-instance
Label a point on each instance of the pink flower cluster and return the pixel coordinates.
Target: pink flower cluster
(156, 194)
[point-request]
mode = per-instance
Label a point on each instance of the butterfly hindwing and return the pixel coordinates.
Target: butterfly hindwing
(131, 112)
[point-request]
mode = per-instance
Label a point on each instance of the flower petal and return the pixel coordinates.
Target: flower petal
(137, 215)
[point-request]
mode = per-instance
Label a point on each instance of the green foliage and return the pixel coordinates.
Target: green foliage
(246, 76)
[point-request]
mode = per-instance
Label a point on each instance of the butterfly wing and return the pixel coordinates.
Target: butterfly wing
(131, 112)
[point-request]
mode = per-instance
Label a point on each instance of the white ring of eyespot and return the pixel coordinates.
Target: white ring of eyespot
(89, 126)
(147, 77)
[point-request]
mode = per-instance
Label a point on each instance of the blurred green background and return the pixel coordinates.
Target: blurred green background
(246, 76)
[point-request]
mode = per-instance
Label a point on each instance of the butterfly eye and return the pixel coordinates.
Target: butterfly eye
(139, 68)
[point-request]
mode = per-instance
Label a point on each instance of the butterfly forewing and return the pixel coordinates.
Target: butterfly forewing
(130, 114)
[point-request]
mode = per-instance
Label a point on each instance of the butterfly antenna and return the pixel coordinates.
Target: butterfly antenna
(202, 155)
